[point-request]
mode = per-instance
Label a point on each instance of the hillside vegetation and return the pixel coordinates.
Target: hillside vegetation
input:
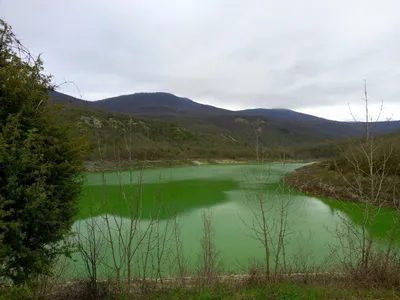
(120, 136)
(355, 171)
(154, 126)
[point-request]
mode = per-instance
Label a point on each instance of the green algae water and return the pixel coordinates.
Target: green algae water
(168, 205)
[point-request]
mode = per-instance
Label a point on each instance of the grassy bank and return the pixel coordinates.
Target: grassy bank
(243, 287)
(280, 291)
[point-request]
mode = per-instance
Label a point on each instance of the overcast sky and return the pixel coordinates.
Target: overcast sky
(311, 55)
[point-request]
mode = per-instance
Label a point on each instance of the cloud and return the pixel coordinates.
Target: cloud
(307, 55)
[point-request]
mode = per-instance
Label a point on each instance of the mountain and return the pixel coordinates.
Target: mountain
(156, 104)
(117, 136)
(63, 98)
(199, 117)
(292, 120)
(213, 131)
(279, 114)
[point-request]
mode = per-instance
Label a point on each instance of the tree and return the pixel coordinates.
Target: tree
(369, 170)
(40, 166)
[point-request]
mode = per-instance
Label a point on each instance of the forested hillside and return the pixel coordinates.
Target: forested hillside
(164, 126)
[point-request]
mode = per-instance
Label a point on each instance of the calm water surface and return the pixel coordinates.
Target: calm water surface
(229, 193)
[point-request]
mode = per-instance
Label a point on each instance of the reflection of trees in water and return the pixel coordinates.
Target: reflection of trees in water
(165, 198)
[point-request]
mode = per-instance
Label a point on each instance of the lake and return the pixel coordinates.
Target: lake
(169, 204)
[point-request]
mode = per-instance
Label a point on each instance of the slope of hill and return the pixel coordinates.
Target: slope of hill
(328, 128)
(117, 136)
(199, 118)
(211, 131)
(170, 107)
(153, 104)
(63, 98)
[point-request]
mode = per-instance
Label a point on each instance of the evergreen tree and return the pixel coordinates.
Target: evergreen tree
(40, 166)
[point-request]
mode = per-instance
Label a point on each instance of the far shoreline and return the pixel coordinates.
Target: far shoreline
(136, 165)
(320, 181)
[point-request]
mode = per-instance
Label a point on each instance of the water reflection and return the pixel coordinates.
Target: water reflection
(230, 193)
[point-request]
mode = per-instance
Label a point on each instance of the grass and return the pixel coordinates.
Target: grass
(277, 290)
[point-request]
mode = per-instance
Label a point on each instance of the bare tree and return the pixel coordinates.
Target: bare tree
(138, 247)
(209, 258)
(90, 245)
(366, 170)
(179, 256)
(270, 225)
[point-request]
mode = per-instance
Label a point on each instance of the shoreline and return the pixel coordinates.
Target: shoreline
(111, 166)
(319, 180)
(316, 180)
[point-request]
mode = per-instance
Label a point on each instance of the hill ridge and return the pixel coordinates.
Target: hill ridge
(279, 126)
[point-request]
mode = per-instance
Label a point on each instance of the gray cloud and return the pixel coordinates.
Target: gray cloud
(302, 55)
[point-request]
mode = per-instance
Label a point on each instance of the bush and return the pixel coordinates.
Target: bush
(40, 167)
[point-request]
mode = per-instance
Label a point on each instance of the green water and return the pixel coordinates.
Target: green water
(229, 193)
